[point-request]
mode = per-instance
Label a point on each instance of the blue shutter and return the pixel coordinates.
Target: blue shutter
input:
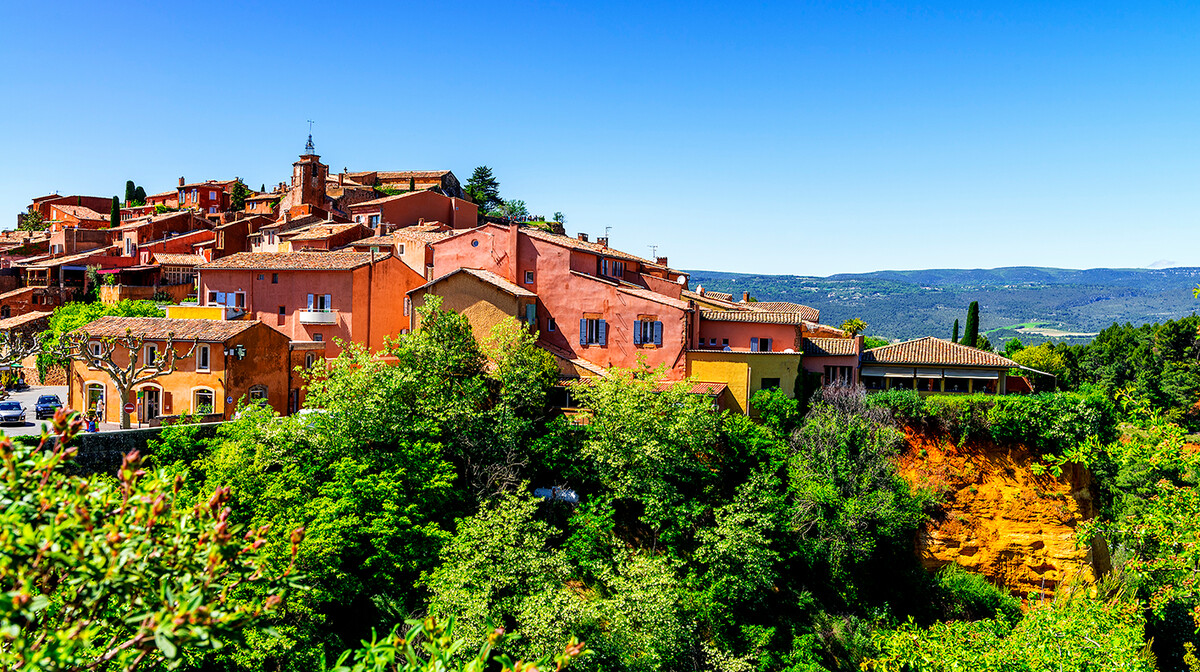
(603, 333)
(658, 334)
(531, 314)
(583, 331)
(769, 348)
(754, 345)
(637, 333)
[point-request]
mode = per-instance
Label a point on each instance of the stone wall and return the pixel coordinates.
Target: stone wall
(103, 451)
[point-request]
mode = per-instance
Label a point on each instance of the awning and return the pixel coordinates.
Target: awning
(929, 373)
(977, 374)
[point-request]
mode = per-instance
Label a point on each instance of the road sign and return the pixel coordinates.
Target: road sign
(129, 407)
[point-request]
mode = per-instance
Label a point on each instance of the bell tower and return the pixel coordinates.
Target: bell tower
(308, 178)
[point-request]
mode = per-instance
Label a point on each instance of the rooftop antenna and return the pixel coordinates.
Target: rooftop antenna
(653, 250)
(607, 231)
(308, 148)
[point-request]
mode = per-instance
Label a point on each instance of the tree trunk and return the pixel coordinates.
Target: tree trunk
(125, 424)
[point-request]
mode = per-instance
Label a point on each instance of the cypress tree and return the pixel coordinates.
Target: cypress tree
(114, 219)
(263, 188)
(954, 338)
(139, 196)
(129, 187)
(971, 331)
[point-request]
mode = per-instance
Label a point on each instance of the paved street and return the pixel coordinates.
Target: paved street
(28, 398)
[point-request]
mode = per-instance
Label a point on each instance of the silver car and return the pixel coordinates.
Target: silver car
(12, 412)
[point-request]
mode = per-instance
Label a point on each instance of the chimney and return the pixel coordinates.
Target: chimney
(603, 242)
(181, 181)
(662, 261)
(379, 229)
(341, 179)
(421, 221)
(745, 297)
(583, 237)
(700, 290)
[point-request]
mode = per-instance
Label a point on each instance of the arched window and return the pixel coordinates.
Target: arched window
(308, 360)
(5, 311)
(258, 392)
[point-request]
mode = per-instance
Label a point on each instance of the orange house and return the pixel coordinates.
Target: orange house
(233, 360)
(414, 208)
(315, 296)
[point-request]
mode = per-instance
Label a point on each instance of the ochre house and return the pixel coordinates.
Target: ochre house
(233, 360)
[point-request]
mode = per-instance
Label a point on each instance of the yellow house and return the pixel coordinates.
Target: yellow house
(482, 297)
(745, 372)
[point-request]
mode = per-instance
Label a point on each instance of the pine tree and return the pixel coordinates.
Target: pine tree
(114, 219)
(954, 338)
(129, 187)
(484, 189)
(971, 331)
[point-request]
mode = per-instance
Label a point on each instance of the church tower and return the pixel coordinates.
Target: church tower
(308, 181)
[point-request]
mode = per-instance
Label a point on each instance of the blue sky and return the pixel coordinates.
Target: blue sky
(800, 138)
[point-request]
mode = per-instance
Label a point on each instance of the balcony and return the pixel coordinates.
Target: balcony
(318, 316)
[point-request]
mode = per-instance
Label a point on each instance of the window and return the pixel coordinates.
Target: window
(213, 299)
(724, 343)
(308, 360)
(593, 331)
(95, 397)
(529, 277)
(612, 268)
(770, 383)
(5, 311)
(239, 299)
(274, 278)
(760, 345)
(202, 358)
(551, 325)
(712, 342)
(321, 303)
(647, 331)
(373, 220)
(282, 311)
(531, 315)
(212, 195)
(151, 354)
(400, 248)
(407, 305)
(203, 401)
(839, 375)
(474, 243)
(95, 348)
(258, 392)
(318, 337)
(260, 276)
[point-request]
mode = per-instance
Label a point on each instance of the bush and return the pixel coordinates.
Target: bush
(967, 596)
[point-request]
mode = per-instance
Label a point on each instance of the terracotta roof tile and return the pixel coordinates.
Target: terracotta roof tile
(585, 246)
(385, 199)
(209, 331)
(810, 314)
(295, 261)
(826, 347)
(82, 212)
(19, 320)
(318, 231)
(934, 351)
(756, 316)
(179, 259)
(720, 295)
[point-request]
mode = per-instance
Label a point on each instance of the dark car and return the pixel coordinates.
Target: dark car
(46, 405)
(12, 412)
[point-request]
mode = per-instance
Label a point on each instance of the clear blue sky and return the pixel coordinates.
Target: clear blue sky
(805, 138)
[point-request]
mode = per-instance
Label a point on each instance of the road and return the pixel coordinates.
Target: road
(28, 398)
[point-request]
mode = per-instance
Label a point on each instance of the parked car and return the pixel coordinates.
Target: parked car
(46, 405)
(12, 412)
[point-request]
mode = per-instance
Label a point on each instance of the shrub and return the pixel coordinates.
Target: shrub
(967, 596)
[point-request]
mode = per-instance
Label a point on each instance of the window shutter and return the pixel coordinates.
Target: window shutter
(753, 345)
(310, 301)
(531, 314)
(603, 333)
(769, 348)
(166, 401)
(583, 332)
(637, 332)
(658, 334)
(328, 302)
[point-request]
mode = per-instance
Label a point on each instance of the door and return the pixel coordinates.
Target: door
(151, 404)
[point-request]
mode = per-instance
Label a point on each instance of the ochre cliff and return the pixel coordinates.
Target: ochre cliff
(998, 518)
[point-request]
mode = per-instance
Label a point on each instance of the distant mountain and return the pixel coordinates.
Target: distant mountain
(1058, 303)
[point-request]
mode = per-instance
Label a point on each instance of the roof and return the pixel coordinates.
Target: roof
(488, 277)
(400, 173)
(719, 295)
(80, 211)
(422, 234)
(165, 194)
(179, 259)
(209, 331)
(342, 260)
(70, 259)
(827, 347)
(209, 183)
(810, 314)
(265, 196)
(694, 387)
(935, 351)
(319, 231)
(585, 246)
(756, 316)
(19, 320)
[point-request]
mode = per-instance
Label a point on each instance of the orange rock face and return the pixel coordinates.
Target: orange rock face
(998, 518)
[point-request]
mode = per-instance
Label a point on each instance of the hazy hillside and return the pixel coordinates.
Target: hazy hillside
(907, 304)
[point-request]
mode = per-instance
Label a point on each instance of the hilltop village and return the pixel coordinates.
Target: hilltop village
(262, 283)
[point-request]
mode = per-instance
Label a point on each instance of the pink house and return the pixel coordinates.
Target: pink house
(416, 207)
(315, 296)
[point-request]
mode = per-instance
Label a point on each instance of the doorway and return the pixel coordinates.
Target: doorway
(150, 406)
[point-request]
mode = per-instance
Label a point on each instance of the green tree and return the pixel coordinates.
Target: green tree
(32, 221)
(134, 577)
(514, 209)
(954, 337)
(238, 196)
(114, 217)
(874, 342)
(129, 188)
(854, 326)
(560, 218)
(1044, 358)
(483, 189)
(971, 330)
(1012, 347)
(139, 196)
